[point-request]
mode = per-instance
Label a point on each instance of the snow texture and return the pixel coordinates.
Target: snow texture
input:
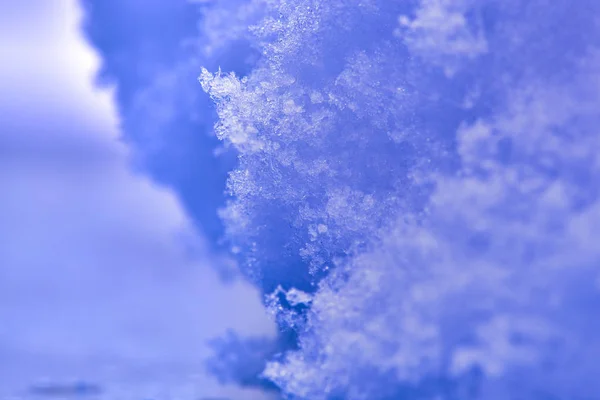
(417, 194)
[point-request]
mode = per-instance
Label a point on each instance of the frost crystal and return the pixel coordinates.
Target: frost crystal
(418, 190)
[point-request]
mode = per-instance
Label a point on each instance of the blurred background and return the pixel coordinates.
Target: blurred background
(112, 278)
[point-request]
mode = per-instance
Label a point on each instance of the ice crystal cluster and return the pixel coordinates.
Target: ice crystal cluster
(417, 193)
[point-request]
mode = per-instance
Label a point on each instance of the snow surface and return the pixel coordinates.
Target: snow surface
(425, 175)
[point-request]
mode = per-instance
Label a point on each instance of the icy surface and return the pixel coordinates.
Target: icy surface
(418, 188)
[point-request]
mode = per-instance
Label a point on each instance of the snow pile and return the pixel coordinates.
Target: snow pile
(417, 187)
